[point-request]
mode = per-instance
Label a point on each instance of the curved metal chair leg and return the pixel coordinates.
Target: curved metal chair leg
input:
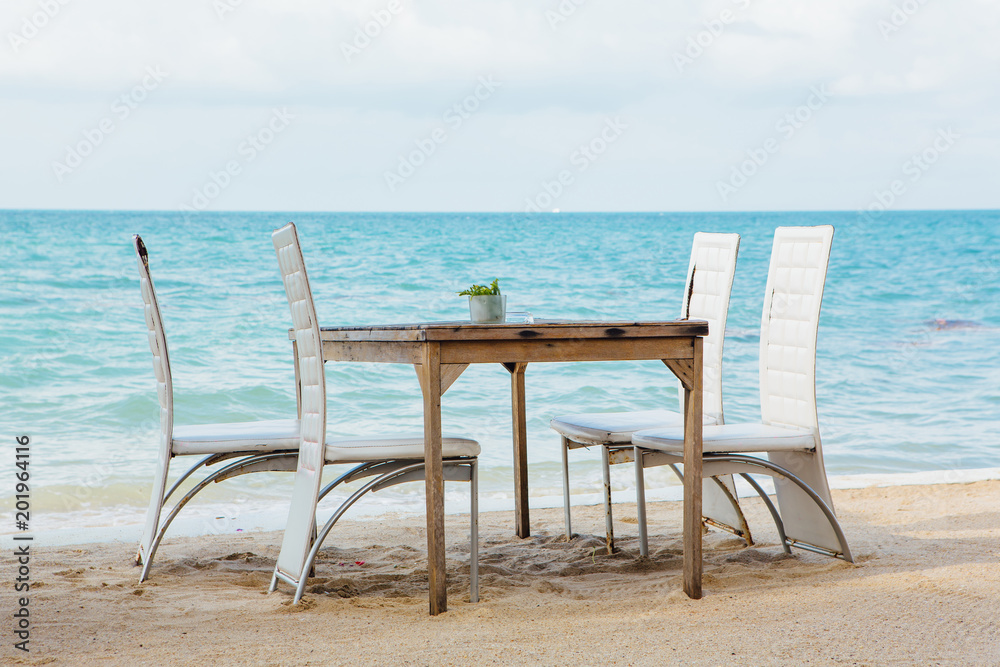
(776, 470)
(248, 461)
(744, 526)
(346, 477)
(382, 481)
(350, 475)
(778, 523)
(207, 461)
(353, 498)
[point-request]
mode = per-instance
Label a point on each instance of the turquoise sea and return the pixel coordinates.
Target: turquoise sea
(908, 362)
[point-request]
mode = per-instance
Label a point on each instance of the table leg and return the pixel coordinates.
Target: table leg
(692, 475)
(522, 525)
(430, 368)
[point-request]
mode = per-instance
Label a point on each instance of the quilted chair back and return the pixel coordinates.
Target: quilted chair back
(788, 331)
(790, 323)
(709, 283)
(164, 387)
(308, 476)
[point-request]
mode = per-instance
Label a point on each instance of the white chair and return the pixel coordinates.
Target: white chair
(706, 297)
(390, 460)
(256, 446)
(789, 430)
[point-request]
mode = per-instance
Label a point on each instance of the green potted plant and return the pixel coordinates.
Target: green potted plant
(486, 304)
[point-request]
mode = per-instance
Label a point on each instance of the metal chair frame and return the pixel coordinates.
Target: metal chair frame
(787, 375)
(390, 473)
(271, 461)
(744, 466)
(720, 495)
(249, 460)
(301, 540)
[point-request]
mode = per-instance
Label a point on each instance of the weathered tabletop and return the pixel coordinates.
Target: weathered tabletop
(441, 351)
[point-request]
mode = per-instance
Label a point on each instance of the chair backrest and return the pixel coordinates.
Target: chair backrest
(157, 344)
(789, 325)
(308, 476)
(307, 341)
(709, 284)
(788, 329)
(164, 393)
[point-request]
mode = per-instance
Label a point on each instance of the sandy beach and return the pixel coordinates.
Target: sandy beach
(925, 590)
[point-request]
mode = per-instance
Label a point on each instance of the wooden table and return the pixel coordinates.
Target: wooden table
(441, 351)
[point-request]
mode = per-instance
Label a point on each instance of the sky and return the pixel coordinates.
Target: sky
(499, 105)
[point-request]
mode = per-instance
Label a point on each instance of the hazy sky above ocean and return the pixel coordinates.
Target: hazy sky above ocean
(389, 105)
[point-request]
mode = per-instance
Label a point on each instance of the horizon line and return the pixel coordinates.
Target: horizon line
(498, 212)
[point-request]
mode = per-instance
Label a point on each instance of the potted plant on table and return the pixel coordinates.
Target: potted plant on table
(486, 304)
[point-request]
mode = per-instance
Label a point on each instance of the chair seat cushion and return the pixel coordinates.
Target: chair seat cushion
(600, 428)
(262, 436)
(359, 450)
(283, 434)
(731, 438)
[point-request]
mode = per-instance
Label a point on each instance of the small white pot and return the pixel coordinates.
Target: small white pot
(488, 308)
